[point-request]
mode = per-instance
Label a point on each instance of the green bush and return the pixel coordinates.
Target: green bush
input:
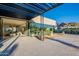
(71, 30)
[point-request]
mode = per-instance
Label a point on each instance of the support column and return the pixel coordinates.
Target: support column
(28, 28)
(42, 30)
(51, 29)
(1, 29)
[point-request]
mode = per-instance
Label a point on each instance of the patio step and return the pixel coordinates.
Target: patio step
(7, 43)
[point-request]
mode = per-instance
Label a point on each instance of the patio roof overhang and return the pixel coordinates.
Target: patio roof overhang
(25, 10)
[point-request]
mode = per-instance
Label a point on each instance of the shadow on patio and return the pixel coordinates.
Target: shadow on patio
(65, 43)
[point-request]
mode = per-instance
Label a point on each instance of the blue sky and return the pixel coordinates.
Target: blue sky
(68, 12)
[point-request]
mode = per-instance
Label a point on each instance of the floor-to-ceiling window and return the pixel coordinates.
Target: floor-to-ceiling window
(13, 27)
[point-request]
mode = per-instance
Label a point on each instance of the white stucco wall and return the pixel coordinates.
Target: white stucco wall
(46, 20)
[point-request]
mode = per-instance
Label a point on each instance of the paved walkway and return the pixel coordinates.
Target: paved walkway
(31, 46)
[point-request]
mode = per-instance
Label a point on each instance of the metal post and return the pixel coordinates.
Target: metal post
(42, 30)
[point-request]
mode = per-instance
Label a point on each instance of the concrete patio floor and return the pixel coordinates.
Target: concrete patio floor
(31, 46)
(59, 45)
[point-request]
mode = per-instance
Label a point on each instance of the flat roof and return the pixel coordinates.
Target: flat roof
(47, 21)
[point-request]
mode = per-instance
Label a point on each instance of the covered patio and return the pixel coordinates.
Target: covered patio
(18, 18)
(12, 13)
